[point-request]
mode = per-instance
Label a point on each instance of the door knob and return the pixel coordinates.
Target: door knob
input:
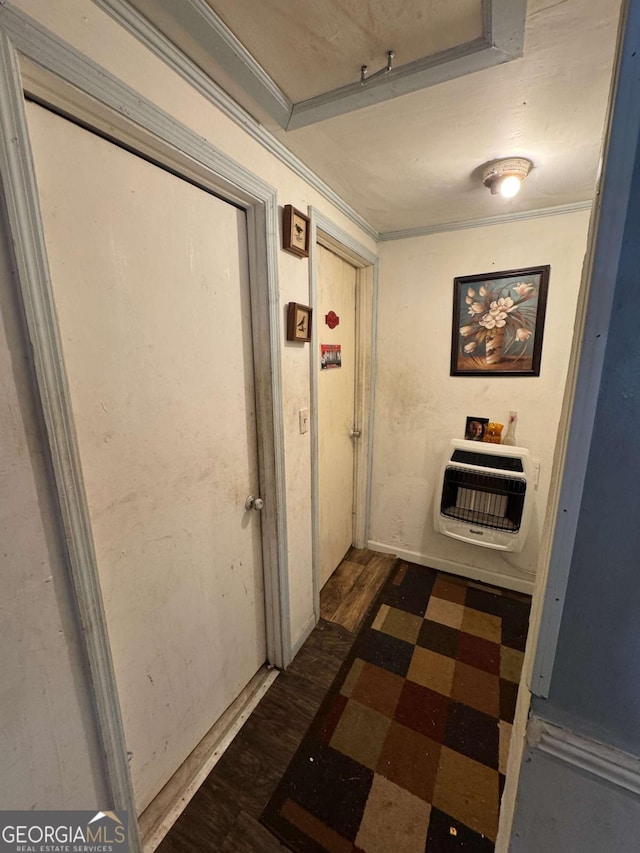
(354, 433)
(252, 502)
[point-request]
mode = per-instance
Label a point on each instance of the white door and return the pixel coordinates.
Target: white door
(151, 287)
(336, 409)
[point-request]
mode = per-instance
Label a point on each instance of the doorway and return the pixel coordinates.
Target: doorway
(343, 280)
(151, 287)
(337, 430)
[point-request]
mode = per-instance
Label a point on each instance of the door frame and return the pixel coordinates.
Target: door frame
(37, 64)
(324, 232)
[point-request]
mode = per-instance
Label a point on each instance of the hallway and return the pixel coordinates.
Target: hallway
(225, 813)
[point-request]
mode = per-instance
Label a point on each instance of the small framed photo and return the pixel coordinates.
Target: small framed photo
(295, 232)
(298, 322)
(498, 322)
(330, 356)
(475, 428)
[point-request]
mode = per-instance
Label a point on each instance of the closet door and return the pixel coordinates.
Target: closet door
(150, 279)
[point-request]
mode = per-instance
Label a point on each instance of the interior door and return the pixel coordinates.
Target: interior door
(150, 279)
(336, 409)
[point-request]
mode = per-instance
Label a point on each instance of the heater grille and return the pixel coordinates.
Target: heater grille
(484, 460)
(495, 501)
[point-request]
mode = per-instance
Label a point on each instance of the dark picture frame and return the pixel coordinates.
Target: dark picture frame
(298, 322)
(498, 322)
(295, 232)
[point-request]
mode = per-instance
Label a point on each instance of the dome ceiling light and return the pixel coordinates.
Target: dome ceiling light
(505, 176)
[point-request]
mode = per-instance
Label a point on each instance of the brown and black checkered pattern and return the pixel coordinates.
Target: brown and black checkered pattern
(408, 751)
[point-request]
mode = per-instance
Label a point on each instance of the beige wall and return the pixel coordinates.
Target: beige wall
(48, 746)
(419, 407)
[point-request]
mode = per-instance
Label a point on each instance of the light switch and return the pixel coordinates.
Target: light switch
(303, 414)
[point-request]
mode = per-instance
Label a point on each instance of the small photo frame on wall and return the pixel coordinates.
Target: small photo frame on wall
(498, 322)
(295, 232)
(298, 322)
(330, 356)
(475, 428)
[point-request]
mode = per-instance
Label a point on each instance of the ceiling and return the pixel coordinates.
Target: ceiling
(472, 80)
(323, 46)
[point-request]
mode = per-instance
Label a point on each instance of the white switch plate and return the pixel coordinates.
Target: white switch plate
(536, 472)
(303, 414)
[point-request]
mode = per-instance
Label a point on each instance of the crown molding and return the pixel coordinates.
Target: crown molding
(214, 39)
(598, 759)
(539, 213)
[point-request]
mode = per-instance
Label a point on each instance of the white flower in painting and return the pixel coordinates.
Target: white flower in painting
(523, 334)
(494, 320)
(505, 303)
(465, 331)
(470, 347)
(476, 308)
(483, 290)
(523, 289)
(468, 300)
(499, 316)
(471, 292)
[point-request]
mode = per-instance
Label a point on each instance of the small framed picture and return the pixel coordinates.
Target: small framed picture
(330, 356)
(475, 428)
(295, 232)
(298, 322)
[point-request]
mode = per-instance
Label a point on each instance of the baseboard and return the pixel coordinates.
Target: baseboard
(590, 756)
(309, 625)
(160, 815)
(512, 582)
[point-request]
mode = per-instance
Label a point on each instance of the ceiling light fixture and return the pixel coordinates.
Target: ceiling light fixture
(505, 176)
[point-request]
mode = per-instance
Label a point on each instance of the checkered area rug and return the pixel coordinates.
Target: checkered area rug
(407, 753)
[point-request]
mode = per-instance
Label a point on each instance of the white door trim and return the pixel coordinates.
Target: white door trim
(35, 62)
(331, 236)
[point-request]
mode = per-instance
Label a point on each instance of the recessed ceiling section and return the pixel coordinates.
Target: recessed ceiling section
(292, 64)
(312, 48)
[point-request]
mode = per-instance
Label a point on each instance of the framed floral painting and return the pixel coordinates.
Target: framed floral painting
(498, 322)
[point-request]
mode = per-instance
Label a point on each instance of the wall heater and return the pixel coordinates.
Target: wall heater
(485, 494)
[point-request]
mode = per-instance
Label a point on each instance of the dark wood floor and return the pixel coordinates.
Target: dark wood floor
(224, 814)
(348, 593)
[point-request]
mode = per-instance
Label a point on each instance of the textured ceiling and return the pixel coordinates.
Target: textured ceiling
(410, 162)
(413, 161)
